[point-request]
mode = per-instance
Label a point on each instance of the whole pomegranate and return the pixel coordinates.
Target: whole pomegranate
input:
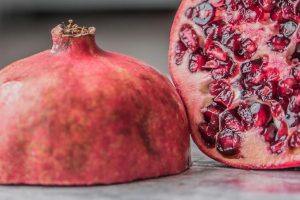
(78, 115)
(236, 66)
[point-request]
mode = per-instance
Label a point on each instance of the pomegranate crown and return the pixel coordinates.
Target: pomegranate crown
(73, 30)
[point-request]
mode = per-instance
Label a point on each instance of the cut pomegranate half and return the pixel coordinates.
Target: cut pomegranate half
(236, 65)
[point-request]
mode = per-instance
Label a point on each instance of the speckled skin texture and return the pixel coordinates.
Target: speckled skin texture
(77, 115)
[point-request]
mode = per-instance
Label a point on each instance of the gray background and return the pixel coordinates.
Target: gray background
(139, 28)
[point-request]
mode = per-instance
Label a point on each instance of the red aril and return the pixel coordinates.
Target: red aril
(228, 142)
(215, 51)
(251, 74)
(203, 13)
(197, 61)
(189, 38)
(288, 28)
(279, 43)
(294, 141)
(284, 9)
(296, 54)
(79, 115)
(249, 3)
(267, 5)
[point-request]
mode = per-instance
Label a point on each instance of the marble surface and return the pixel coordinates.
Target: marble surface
(205, 180)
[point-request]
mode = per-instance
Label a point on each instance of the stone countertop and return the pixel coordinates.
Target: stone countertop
(205, 180)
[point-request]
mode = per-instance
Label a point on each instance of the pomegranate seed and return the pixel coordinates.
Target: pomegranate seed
(231, 122)
(189, 13)
(267, 5)
(244, 112)
(279, 43)
(224, 70)
(278, 147)
(214, 29)
(254, 78)
(288, 28)
(292, 119)
(249, 3)
(180, 52)
(227, 32)
(234, 42)
(211, 64)
(261, 114)
(208, 134)
(284, 102)
(298, 9)
(294, 103)
(282, 133)
(232, 4)
(252, 66)
(296, 72)
(253, 14)
(212, 113)
(285, 87)
(276, 136)
(225, 98)
(189, 37)
(219, 73)
(272, 74)
(247, 50)
(218, 86)
(230, 66)
(203, 13)
(294, 141)
(235, 16)
(296, 54)
(215, 51)
(266, 92)
(249, 92)
(217, 3)
(276, 109)
(228, 142)
(292, 115)
(284, 10)
(197, 61)
(269, 133)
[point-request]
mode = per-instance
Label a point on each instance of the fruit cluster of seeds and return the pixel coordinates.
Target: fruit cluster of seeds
(267, 101)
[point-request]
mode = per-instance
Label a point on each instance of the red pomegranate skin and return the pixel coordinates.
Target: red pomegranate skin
(193, 83)
(79, 115)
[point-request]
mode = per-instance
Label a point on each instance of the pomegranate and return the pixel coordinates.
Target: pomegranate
(238, 75)
(79, 115)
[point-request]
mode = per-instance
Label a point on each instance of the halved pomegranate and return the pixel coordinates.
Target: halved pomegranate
(238, 73)
(78, 115)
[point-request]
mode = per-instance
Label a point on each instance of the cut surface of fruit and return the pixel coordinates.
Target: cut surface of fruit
(238, 74)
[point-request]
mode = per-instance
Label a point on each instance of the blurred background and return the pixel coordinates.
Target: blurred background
(139, 28)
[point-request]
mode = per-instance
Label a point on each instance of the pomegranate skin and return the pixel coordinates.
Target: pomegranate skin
(78, 115)
(194, 86)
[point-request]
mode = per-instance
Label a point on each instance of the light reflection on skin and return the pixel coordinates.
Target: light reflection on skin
(10, 91)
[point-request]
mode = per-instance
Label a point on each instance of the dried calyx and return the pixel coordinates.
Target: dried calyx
(74, 30)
